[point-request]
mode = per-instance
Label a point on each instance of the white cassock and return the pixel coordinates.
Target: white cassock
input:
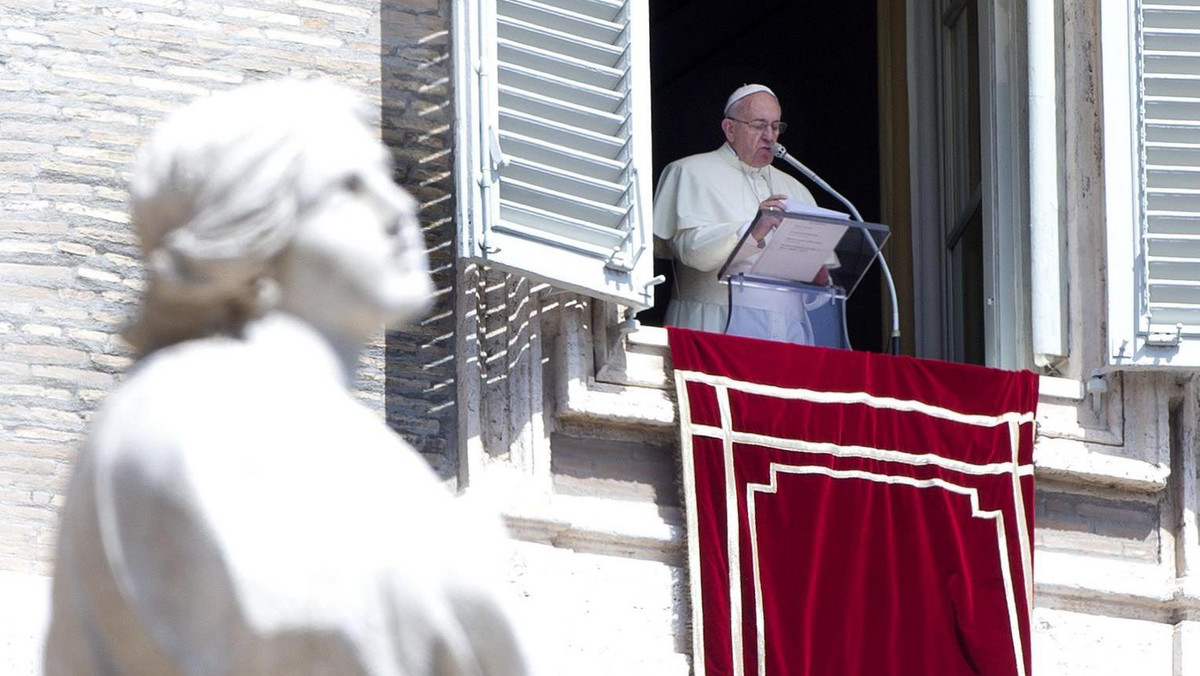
(701, 204)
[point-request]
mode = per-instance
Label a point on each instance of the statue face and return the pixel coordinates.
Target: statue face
(358, 258)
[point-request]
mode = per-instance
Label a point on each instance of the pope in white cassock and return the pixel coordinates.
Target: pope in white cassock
(704, 202)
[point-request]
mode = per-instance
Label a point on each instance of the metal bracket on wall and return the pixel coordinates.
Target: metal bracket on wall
(1096, 387)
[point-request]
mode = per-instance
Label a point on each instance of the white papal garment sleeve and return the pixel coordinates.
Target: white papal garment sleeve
(685, 209)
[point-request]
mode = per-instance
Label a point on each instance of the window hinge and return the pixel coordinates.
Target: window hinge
(619, 262)
(496, 155)
(1165, 338)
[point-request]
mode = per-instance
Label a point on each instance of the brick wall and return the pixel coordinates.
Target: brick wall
(417, 120)
(81, 84)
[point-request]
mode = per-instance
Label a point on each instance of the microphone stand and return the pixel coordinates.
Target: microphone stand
(894, 342)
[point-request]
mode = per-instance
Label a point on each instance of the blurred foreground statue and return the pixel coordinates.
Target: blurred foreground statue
(234, 509)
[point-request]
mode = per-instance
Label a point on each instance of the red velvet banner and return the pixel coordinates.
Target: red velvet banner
(854, 513)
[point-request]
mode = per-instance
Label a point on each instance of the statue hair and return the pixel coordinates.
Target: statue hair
(216, 194)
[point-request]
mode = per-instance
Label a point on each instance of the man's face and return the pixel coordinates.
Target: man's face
(752, 147)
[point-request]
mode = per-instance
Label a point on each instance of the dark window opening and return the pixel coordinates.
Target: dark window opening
(821, 59)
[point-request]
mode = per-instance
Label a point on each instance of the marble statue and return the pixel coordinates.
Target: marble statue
(234, 510)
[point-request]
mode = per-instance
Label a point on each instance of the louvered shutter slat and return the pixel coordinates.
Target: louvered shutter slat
(1164, 110)
(1170, 316)
(604, 10)
(1175, 227)
(1167, 16)
(1170, 110)
(1174, 63)
(525, 79)
(552, 133)
(1165, 133)
(1172, 86)
(553, 226)
(562, 20)
(1176, 291)
(545, 61)
(1173, 154)
(1168, 200)
(569, 184)
(561, 157)
(563, 112)
(561, 44)
(1175, 41)
(1174, 177)
(589, 211)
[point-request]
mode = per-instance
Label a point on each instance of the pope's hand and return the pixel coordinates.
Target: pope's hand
(822, 277)
(763, 227)
(767, 222)
(773, 202)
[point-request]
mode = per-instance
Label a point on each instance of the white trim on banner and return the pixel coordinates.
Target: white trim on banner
(865, 398)
(693, 525)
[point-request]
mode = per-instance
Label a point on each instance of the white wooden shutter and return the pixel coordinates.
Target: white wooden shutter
(1171, 156)
(1152, 158)
(554, 166)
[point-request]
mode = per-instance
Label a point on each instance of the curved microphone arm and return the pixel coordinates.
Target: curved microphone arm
(782, 154)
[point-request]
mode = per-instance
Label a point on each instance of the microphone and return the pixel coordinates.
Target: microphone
(782, 153)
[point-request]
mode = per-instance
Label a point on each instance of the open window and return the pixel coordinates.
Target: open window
(914, 109)
(821, 60)
(969, 181)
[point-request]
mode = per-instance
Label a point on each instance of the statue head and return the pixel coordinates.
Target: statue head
(276, 195)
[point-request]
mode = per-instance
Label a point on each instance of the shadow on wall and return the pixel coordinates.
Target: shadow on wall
(417, 115)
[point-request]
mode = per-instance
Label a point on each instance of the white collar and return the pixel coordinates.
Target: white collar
(738, 163)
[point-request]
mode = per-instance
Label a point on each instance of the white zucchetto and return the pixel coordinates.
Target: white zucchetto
(744, 91)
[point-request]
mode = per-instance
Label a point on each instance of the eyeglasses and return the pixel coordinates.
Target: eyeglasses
(760, 126)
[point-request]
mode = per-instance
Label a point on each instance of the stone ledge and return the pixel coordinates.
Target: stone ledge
(599, 526)
(581, 399)
(1113, 587)
(1079, 462)
(585, 400)
(1069, 453)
